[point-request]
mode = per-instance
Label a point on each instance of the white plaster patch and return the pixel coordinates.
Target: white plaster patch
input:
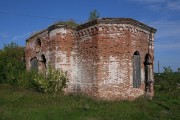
(74, 67)
(113, 35)
(57, 30)
(47, 55)
(115, 72)
(60, 59)
(31, 45)
(131, 72)
(142, 75)
(100, 29)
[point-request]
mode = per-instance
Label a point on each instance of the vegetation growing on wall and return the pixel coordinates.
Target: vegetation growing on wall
(70, 23)
(93, 15)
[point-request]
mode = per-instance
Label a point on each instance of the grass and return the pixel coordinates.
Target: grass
(17, 103)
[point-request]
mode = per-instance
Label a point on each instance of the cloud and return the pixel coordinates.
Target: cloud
(3, 36)
(168, 34)
(167, 37)
(160, 4)
(21, 37)
(174, 5)
(171, 46)
(3, 39)
(166, 29)
(149, 1)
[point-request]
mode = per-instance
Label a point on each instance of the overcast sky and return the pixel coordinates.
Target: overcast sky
(20, 18)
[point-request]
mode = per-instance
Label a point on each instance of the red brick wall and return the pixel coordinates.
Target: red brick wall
(32, 50)
(98, 57)
(86, 62)
(116, 46)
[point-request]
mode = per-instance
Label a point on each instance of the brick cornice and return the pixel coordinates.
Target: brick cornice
(95, 26)
(116, 21)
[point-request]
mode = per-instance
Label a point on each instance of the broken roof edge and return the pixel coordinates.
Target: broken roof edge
(67, 24)
(54, 26)
(98, 21)
(36, 34)
(116, 21)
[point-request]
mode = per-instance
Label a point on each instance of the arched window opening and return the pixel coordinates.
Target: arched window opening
(43, 60)
(34, 64)
(136, 70)
(38, 42)
(147, 60)
(38, 45)
(136, 53)
(42, 66)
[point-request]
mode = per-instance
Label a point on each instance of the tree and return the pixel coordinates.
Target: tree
(168, 80)
(178, 70)
(12, 63)
(93, 15)
(168, 69)
(12, 71)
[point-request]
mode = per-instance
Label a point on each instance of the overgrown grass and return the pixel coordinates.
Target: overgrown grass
(17, 103)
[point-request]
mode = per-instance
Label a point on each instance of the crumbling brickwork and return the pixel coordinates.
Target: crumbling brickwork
(108, 58)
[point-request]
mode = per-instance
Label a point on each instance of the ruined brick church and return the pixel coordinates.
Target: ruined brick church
(107, 58)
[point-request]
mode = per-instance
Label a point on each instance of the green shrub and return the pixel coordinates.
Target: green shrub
(167, 81)
(53, 82)
(26, 80)
(12, 63)
(13, 71)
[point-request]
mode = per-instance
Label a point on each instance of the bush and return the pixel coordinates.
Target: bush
(13, 71)
(168, 81)
(12, 63)
(53, 82)
(26, 80)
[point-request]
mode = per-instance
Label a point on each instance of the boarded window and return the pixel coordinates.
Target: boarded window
(147, 73)
(34, 64)
(136, 70)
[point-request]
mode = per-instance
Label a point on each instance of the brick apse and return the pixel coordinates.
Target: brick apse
(108, 58)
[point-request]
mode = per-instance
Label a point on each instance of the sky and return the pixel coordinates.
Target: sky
(21, 18)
